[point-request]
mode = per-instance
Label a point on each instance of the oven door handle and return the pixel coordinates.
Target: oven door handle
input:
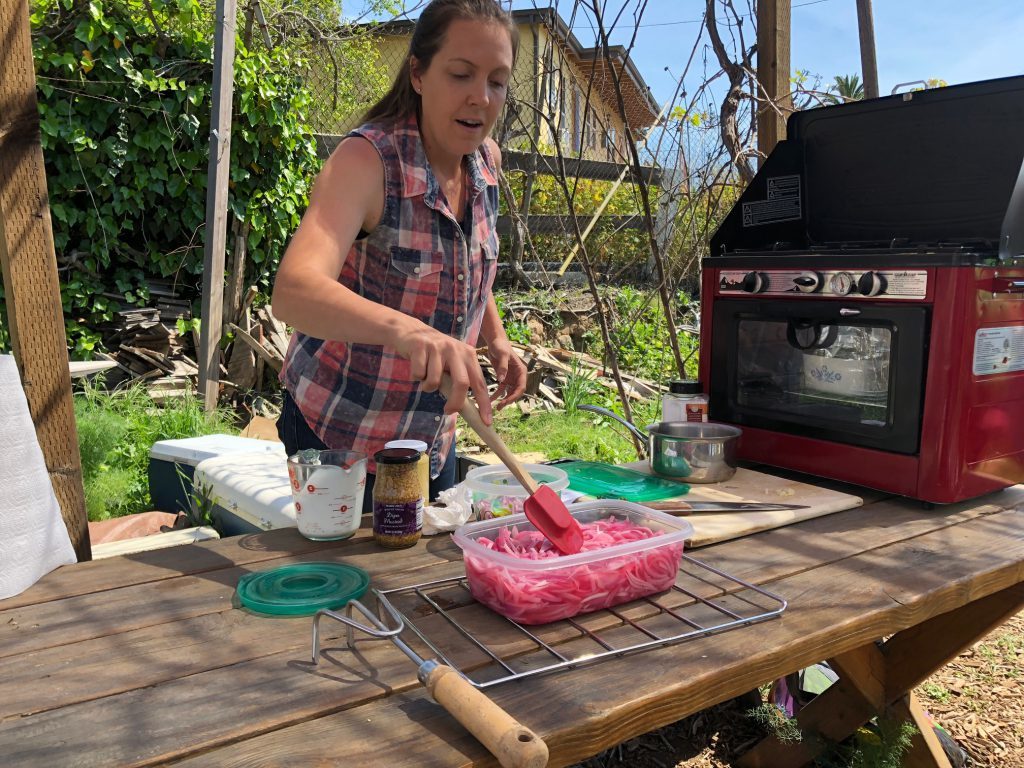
(824, 334)
(848, 312)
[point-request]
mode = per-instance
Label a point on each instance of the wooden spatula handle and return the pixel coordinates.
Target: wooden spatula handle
(515, 745)
(472, 416)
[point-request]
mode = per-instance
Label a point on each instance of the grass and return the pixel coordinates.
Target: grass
(568, 434)
(937, 692)
(115, 433)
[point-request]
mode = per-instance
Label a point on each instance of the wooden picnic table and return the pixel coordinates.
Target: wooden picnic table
(143, 659)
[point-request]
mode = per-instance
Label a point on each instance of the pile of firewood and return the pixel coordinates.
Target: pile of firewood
(157, 345)
(145, 344)
(259, 341)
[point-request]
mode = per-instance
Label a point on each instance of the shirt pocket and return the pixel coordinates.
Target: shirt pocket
(416, 265)
(489, 252)
(415, 281)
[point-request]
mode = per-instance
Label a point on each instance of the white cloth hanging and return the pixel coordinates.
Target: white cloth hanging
(33, 537)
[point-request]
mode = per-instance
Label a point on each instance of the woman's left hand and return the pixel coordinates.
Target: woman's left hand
(510, 371)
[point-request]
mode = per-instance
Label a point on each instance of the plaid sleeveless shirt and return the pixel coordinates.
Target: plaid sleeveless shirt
(419, 261)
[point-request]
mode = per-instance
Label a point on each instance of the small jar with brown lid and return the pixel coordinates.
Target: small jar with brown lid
(397, 498)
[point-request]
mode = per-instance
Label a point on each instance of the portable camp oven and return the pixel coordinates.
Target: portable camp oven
(863, 302)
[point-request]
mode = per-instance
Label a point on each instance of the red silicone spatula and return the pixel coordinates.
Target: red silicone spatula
(544, 508)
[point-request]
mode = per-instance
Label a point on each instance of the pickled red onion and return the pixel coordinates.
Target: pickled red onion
(538, 597)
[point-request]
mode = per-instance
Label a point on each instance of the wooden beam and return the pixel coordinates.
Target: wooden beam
(29, 265)
(554, 224)
(217, 202)
(513, 160)
(775, 101)
(925, 748)
(868, 59)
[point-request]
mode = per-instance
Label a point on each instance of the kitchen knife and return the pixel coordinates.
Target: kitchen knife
(686, 507)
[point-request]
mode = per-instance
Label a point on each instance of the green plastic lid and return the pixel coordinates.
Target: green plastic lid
(606, 481)
(302, 589)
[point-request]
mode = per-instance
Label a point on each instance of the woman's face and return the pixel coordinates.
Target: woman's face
(463, 89)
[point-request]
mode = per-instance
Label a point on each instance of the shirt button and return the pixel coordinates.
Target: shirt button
(437, 418)
(416, 270)
(461, 276)
(458, 319)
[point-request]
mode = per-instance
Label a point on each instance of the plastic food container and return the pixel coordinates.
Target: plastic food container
(548, 589)
(496, 492)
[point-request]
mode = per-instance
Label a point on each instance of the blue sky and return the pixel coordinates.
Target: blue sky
(951, 40)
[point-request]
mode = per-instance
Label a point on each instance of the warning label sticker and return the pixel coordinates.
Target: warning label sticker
(998, 350)
(783, 203)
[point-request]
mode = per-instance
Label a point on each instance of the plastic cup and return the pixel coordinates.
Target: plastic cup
(327, 488)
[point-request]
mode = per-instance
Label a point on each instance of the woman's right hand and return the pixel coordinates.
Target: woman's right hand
(431, 354)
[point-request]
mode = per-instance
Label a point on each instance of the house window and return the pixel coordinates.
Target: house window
(554, 88)
(563, 107)
(610, 143)
(577, 121)
(592, 128)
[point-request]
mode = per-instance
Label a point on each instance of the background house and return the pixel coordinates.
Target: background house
(561, 91)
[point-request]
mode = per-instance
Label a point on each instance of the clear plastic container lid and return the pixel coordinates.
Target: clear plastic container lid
(673, 530)
(497, 480)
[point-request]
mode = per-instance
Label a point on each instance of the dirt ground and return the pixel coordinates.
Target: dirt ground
(978, 698)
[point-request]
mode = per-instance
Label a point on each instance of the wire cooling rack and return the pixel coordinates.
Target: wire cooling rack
(489, 649)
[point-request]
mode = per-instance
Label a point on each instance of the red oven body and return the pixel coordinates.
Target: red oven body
(971, 426)
(895, 224)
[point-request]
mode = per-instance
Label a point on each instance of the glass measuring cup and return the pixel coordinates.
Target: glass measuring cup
(327, 488)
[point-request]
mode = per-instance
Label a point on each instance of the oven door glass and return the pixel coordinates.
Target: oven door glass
(853, 374)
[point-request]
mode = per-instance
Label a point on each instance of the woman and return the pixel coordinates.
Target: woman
(387, 281)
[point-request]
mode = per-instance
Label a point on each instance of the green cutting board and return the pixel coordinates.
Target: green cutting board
(607, 481)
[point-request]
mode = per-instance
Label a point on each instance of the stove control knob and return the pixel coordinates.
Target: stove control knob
(755, 282)
(841, 283)
(808, 282)
(871, 284)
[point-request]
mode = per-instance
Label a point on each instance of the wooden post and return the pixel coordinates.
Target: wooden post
(217, 202)
(773, 28)
(868, 60)
(29, 265)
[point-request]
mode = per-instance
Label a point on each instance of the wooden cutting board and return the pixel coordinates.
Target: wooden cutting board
(750, 485)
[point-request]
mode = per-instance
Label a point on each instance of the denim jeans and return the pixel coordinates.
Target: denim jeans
(297, 435)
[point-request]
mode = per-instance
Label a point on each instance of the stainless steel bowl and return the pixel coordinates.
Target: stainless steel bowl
(697, 452)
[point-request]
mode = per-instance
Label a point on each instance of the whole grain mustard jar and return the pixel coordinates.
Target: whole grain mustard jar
(397, 498)
(422, 464)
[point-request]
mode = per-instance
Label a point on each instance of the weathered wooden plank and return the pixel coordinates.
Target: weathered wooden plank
(772, 554)
(863, 668)
(217, 201)
(774, 101)
(834, 608)
(113, 611)
(914, 653)
(619, 699)
(873, 680)
(256, 347)
(552, 224)
(29, 267)
(925, 748)
(768, 557)
(145, 567)
(513, 160)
